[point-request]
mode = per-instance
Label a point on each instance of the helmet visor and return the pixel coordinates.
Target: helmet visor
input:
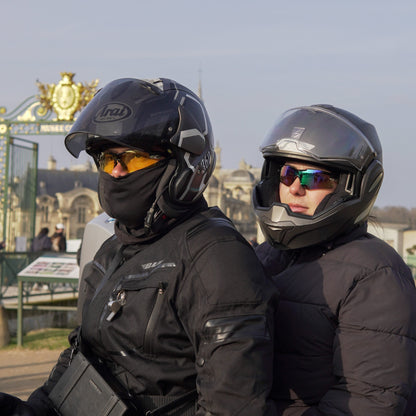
(128, 112)
(316, 134)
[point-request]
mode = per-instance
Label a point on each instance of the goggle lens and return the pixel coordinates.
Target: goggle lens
(130, 160)
(309, 178)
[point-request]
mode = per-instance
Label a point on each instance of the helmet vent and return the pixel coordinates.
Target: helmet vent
(192, 141)
(350, 184)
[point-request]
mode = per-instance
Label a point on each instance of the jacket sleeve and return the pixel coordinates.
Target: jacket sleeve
(374, 346)
(229, 317)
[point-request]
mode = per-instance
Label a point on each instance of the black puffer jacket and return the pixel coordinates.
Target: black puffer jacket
(198, 313)
(346, 328)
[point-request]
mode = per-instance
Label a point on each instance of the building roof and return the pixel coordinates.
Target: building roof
(51, 182)
(240, 175)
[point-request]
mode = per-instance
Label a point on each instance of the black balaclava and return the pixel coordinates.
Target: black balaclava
(128, 198)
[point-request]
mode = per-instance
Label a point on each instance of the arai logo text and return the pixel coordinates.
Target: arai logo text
(112, 112)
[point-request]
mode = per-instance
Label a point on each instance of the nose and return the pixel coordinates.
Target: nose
(296, 188)
(118, 171)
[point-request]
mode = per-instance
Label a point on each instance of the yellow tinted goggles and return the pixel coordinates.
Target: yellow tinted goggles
(130, 160)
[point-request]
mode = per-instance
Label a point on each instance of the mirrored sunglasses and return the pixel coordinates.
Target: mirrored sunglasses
(130, 160)
(309, 178)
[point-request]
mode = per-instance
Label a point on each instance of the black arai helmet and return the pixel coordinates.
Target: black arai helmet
(330, 137)
(152, 115)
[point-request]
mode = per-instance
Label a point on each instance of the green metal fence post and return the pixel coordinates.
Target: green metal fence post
(19, 313)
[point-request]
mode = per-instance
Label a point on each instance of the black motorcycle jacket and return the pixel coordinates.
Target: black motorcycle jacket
(345, 328)
(195, 311)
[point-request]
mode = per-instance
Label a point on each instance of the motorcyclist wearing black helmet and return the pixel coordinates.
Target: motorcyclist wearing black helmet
(345, 330)
(187, 306)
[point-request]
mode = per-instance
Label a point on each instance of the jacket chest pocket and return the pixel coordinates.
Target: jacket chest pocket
(134, 310)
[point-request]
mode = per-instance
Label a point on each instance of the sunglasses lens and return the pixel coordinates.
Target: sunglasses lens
(288, 175)
(135, 162)
(130, 160)
(107, 161)
(309, 178)
(320, 180)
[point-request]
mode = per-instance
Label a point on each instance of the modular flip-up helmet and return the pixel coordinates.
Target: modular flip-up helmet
(334, 139)
(157, 115)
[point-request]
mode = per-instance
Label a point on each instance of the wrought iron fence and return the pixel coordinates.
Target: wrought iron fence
(11, 263)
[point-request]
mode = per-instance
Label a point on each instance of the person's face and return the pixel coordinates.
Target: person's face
(301, 199)
(118, 170)
(120, 161)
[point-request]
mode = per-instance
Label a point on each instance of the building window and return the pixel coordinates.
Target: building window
(81, 215)
(45, 213)
(82, 211)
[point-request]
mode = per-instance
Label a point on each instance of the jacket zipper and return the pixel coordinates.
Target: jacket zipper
(151, 324)
(104, 307)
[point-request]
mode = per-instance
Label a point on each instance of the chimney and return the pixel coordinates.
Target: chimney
(51, 163)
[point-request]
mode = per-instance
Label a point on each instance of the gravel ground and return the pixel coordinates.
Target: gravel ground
(22, 370)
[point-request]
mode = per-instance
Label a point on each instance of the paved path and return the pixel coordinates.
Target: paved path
(22, 370)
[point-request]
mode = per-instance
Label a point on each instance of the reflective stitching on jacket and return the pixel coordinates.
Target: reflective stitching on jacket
(157, 265)
(143, 280)
(235, 327)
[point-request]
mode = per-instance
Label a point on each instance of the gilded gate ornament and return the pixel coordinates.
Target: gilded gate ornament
(66, 98)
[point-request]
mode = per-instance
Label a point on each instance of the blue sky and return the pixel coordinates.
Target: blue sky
(255, 58)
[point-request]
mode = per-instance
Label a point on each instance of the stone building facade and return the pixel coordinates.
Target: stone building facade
(69, 196)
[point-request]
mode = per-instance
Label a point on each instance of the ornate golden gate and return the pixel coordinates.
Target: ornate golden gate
(51, 112)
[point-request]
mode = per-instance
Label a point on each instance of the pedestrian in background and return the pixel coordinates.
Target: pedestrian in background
(42, 242)
(58, 238)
